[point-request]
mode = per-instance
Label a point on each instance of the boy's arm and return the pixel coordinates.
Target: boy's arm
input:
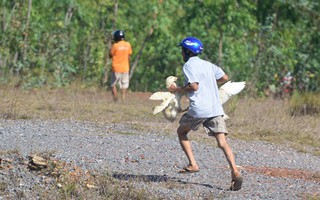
(111, 51)
(223, 79)
(187, 88)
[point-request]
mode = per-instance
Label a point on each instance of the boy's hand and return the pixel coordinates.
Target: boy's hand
(172, 88)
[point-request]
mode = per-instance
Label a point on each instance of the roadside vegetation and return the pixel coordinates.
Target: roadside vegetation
(65, 180)
(268, 119)
(256, 41)
(56, 67)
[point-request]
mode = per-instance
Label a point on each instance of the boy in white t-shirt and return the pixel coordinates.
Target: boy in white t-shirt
(201, 84)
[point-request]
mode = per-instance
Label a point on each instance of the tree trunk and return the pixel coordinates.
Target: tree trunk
(68, 16)
(86, 56)
(220, 28)
(257, 64)
(136, 60)
(6, 21)
(109, 44)
(26, 32)
(220, 48)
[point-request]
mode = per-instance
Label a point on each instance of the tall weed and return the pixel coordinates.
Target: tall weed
(305, 104)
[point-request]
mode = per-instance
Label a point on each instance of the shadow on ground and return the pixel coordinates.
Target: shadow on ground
(159, 178)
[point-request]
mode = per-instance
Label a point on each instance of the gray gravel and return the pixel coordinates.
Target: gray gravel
(126, 152)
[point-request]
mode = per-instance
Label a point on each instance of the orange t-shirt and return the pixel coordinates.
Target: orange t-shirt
(120, 53)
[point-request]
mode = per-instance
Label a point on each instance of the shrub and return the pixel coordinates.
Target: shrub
(305, 104)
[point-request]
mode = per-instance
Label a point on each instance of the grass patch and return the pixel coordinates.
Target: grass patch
(305, 104)
(8, 152)
(65, 180)
(251, 119)
(271, 120)
(74, 183)
(87, 105)
(310, 196)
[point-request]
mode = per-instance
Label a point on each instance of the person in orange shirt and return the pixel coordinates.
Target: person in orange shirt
(120, 53)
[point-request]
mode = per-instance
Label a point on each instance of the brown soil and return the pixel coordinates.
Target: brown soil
(285, 173)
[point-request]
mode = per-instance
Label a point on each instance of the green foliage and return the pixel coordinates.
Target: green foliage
(68, 40)
(283, 43)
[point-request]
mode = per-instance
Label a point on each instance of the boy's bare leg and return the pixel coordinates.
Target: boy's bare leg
(223, 144)
(235, 174)
(114, 93)
(123, 94)
(186, 147)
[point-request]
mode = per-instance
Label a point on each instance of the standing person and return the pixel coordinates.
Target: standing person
(287, 84)
(201, 84)
(120, 53)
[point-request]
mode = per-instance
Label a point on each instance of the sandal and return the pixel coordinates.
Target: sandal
(236, 183)
(185, 170)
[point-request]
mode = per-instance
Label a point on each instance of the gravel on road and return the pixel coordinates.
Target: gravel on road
(270, 171)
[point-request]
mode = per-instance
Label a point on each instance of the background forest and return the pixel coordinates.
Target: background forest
(55, 43)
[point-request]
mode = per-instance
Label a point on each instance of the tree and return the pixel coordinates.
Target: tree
(53, 43)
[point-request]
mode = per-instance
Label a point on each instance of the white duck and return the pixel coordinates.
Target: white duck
(171, 106)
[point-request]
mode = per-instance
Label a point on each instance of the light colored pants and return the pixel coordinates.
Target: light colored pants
(211, 125)
(122, 79)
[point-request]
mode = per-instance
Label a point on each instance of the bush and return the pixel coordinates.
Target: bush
(305, 104)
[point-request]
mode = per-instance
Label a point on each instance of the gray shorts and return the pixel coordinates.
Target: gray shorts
(211, 125)
(122, 79)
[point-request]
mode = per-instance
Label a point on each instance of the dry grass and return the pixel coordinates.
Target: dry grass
(64, 180)
(89, 104)
(252, 119)
(270, 120)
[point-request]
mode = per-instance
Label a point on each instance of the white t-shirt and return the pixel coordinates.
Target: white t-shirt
(205, 102)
